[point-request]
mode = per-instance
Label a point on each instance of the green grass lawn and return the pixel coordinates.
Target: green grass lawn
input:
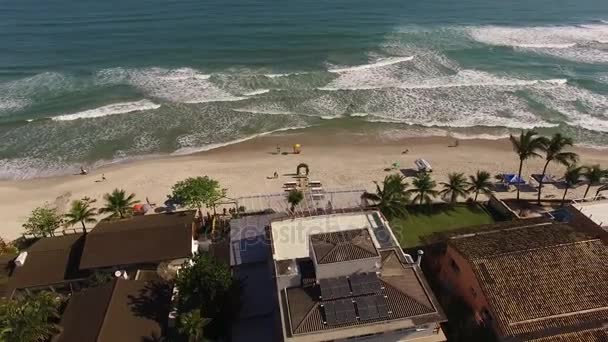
(422, 221)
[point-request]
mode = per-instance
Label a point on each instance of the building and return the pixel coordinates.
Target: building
(532, 281)
(119, 311)
(344, 276)
(140, 242)
(50, 263)
(592, 216)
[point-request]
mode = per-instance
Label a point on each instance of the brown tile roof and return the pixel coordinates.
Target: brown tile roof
(343, 246)
(122, 310)
(540, 281)
(406, 299)
(139, 240)
(522, 237)
(595, 335)
(50, 260)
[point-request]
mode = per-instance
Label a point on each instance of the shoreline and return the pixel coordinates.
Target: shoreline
(338, 158)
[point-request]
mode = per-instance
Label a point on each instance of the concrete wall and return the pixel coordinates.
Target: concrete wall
(463, 282)
(422, 333)
(346, 268)
(501, 208)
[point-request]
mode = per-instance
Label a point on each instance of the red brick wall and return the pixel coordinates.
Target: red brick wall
(463, 283)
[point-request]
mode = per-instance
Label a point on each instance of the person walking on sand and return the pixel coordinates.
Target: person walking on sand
(103, 177)
(276, 175)
(278, 149)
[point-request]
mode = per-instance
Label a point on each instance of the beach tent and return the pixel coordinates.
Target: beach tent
(512, 179)
(547, 179)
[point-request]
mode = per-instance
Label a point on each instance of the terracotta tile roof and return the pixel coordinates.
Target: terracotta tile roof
(343, 246)
(540, 280)
(595, 335)
(122, 310)
(406, 299)
(140, 239)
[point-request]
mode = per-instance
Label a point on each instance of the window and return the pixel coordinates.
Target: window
(454, 266)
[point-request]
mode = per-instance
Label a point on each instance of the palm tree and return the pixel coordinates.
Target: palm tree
(571, 178)
(294, 198)
(192, 324)
(80, 212)
(424, 188)
(456, 186)
(480, 183)
(554, 152)
(30, 318)
(527, 146)
(392, 198)
(118, 203)
(593, 174)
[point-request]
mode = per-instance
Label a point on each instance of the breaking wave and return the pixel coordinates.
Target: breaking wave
(113, 109)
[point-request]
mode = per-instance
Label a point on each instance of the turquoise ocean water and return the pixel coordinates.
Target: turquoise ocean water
(93, 82)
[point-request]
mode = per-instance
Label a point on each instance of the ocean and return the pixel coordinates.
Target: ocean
(97, 82)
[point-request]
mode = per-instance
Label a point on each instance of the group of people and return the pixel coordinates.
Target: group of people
(84, 172)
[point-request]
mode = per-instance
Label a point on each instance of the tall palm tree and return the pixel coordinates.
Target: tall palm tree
(80, 212)
(593, 174)
(527, 146)
(192, 324)
(424, 188)
(571, 178)
(480, 183)
(456, 186)
(554, 152)
(392, 198)
(294, 198)
(118, 203)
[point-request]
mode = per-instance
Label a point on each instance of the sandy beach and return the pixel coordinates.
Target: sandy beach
(337, 158)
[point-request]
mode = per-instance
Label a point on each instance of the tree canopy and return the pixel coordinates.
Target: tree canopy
(118, 204)
(32, 318)
(43, 221)
(80, 212)
(204, 284)
(424, 188)
(391, 199)
(196, 192)
(456, 186)
(528, 145)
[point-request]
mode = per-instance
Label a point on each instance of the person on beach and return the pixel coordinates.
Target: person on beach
(406, 151)
(83, 171)
(276, 175)
(103, 177)
(278, 149)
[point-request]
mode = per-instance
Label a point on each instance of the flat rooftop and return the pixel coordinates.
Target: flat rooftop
(291, 237)
(597, 211)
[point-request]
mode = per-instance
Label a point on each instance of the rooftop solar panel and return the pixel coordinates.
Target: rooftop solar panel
(334, 288)
(339, 312)
(365, 283)
(382, 306)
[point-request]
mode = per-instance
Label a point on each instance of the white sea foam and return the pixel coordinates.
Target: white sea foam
(112, 109)
(357, 115)
(183, 85)
(380, 63)
(575, 43)
(285, 75)
(257, 92)
(18, 94)
(194, 149)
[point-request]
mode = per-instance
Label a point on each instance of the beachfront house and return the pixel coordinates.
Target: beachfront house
(140, 243)
(51, 263)
(532, 280)
(119, 311)
(344, 276)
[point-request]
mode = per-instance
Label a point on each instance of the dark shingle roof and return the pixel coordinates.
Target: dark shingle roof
(541, 280)
(140, 239)
(343, 246)
(122, 310)
(595, 335)
(50, 260)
